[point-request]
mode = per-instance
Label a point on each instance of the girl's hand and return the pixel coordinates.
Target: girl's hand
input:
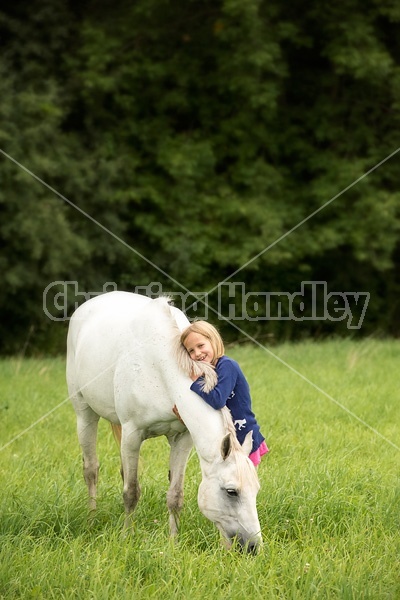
(176, 413)
(194, 377)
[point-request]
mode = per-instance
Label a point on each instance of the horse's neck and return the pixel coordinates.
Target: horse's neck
(205, 424)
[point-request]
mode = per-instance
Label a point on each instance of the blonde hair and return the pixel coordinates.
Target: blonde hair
(208, 331)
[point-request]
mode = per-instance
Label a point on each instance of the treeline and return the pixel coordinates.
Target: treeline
(197, 134)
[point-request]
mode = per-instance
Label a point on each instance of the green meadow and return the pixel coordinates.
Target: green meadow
(329, 503)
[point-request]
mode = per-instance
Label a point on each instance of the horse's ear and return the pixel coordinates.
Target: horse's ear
(248, 443)
(226, 446)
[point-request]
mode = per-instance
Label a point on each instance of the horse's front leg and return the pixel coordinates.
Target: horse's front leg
(130, 448)
(181, 444)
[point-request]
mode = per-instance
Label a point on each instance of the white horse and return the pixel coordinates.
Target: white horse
(125, 364)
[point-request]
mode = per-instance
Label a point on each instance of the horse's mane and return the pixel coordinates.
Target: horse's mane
(230, 427)
(195, 367)
(185, 363)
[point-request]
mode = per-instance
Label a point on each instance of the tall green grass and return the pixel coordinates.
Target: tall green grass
(329, 503)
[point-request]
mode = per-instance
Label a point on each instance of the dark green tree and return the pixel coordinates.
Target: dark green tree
(197, 134)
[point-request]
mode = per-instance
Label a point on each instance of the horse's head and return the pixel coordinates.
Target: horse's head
(227, 494)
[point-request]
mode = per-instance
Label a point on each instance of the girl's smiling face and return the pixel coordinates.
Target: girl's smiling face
(199, 347)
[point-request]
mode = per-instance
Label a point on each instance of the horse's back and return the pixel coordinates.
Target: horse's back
(107, 309)
(97, 337)
(103, 315)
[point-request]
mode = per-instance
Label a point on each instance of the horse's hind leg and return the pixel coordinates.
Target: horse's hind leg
(117, 433)
(87, 422)
(181, 444)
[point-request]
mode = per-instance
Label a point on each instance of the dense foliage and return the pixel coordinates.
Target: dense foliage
(198, 133)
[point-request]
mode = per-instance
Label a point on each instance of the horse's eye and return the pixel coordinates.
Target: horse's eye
(232, 493)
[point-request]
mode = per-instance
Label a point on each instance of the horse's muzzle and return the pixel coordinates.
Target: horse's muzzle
(248, 546)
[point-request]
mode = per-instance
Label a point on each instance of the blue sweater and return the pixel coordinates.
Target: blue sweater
(233, 391)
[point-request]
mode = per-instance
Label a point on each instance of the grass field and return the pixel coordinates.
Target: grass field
(329, 503)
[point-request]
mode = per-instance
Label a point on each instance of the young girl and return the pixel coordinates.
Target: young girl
(203, 343)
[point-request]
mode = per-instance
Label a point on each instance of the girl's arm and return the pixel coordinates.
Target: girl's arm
(226, 382)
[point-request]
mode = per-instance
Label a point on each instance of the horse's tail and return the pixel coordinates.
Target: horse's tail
(117, 432)
(196, 367)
